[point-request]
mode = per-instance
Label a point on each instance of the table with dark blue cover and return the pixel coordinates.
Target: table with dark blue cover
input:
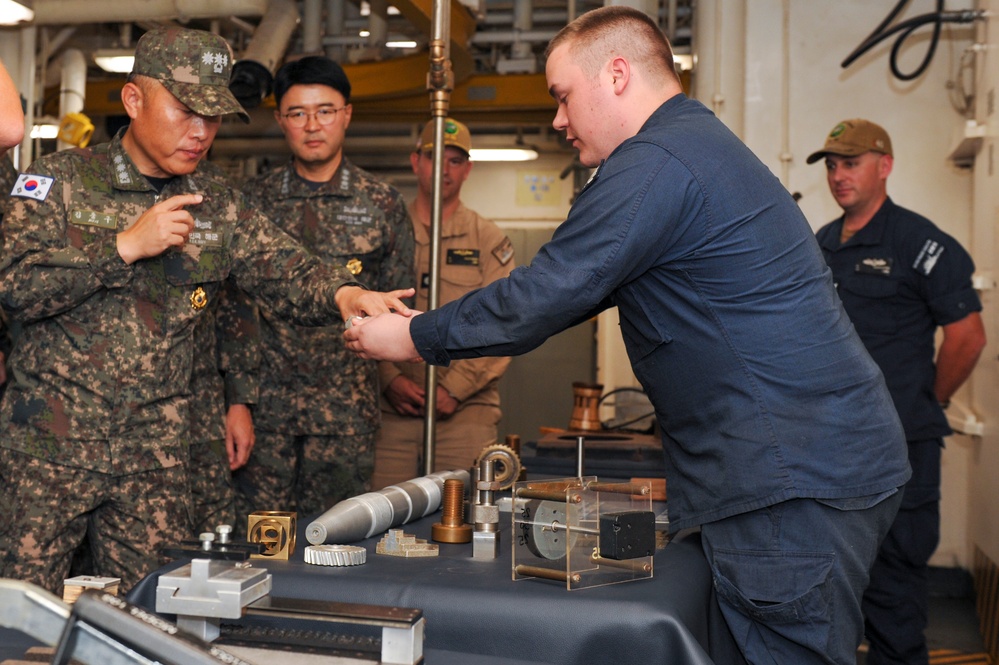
(476, 613)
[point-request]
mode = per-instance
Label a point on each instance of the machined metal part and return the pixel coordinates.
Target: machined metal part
(102, 629)
(485, 513)
(506, 461)
(275, 531)
(372, 513)
(335, 555)
(205, 591)
(548, 535)
(402, 628)
(635, 489)
(397, 542)
(546, 573)
(452, 527)
(626, 564)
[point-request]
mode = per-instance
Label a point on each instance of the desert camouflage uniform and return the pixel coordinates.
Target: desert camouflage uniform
(474, 252)
(96, 418)
(318, 409)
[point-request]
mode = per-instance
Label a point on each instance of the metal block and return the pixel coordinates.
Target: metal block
(485, 544)
(275, 530)
(485, 514)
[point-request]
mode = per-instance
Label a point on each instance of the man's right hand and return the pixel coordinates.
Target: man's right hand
(405, 396)
(166, 224)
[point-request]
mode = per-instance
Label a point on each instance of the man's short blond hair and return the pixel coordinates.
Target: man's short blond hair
(602, 34)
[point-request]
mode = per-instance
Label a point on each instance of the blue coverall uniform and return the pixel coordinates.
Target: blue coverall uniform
(770, 407)
(900, 277)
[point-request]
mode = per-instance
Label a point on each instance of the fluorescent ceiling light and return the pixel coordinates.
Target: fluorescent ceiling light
(117, 60)
(503, 154)
(401, 44)
(12, 13)
(365, 9)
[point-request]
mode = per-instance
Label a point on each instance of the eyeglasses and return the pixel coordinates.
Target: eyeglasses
(324, 116)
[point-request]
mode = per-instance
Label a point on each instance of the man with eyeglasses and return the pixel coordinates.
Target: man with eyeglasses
(112, 255)
(318, 411)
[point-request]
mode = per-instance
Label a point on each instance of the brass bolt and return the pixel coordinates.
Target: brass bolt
(452, 527)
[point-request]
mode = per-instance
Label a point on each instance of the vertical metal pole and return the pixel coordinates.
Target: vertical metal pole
(440, 82)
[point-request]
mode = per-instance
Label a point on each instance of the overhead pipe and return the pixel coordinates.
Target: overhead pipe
(29, 39)
(72, 87)
(377, 23)
(253, 73)
(312, 27)
(49, 12)
(522, 23)
(336, 21)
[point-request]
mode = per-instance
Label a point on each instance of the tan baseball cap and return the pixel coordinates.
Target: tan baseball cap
(455, 134)
(854, 137)
(193, 65)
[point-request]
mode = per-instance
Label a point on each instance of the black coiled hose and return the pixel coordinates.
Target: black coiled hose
(907, 27)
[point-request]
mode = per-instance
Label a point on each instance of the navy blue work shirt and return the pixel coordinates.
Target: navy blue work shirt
(900, 277)
(762, 388)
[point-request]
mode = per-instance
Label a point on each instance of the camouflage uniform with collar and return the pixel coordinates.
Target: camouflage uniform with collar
(99, 397)
(318, 409)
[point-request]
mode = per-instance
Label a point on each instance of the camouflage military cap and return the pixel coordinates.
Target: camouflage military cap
(193, 65)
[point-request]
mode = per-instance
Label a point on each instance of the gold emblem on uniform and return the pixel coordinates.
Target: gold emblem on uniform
(354, 266)
(199, 298)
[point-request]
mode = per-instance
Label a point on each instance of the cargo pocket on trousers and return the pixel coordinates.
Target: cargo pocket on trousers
(783, 592)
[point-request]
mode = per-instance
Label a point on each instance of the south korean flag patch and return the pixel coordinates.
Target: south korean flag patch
(32, 186)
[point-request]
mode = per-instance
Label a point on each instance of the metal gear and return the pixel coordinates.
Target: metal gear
(505, 462)
(335, 555)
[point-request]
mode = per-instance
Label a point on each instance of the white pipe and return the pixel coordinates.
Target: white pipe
(270, 40)
(785, 95)
(336, 18)
(522, 23)
(29, 37)
(312, 26)
(49, 12)
(72, 86)
(377, 23)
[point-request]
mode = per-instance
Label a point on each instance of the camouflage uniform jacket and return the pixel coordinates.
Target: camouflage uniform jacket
(474, 252)
(226, 363)
(101, 376)
(310, 383)
(226, 353)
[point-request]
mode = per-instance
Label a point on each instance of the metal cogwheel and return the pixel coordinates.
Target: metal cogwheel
(335, 555)
(505, 462)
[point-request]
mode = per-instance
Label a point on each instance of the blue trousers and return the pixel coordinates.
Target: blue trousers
(790, 577)
(895, 605)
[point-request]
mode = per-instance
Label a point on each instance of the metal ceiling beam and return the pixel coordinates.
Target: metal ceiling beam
(516, 98)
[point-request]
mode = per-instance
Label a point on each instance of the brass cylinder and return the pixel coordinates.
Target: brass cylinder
(452, 527)
(585, 407)
(546, 573)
